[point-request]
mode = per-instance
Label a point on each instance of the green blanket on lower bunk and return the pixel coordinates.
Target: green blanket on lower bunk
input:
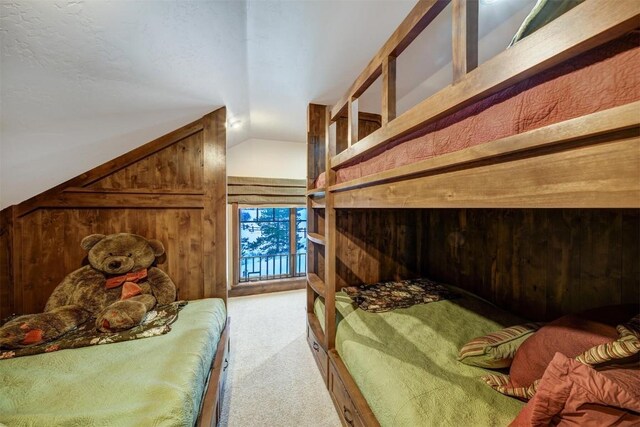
(155, 381)
(404, 362)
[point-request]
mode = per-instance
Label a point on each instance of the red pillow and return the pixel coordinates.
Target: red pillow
(570, 335)
(571, 393)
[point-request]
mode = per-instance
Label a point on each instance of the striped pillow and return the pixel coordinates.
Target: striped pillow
(496, 350)
(502, 384)
(627, 345)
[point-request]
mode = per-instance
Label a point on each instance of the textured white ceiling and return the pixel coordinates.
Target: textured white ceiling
(84, 81)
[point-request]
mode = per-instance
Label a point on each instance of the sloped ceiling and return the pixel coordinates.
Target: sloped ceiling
(82, 82)
(85, 81)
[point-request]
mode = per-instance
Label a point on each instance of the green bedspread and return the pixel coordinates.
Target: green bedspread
(404, 362)
(154, 381)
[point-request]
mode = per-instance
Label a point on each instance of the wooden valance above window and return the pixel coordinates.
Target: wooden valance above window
(266, 191)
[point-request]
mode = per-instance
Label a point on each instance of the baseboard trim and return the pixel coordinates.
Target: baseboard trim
(267, 286)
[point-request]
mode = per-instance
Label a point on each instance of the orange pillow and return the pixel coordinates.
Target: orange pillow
(571, 393)
(570, 335)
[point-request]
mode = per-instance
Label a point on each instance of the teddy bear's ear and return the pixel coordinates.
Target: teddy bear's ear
(91, 240)
(157, 246)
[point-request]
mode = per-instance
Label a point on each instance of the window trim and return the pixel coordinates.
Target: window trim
(235, 232)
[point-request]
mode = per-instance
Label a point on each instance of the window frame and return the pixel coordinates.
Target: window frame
(293, 245)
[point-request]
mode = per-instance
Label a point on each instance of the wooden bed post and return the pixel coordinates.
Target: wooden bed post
(215, 199)
(388, 89)
(465, 37)
(330, 233)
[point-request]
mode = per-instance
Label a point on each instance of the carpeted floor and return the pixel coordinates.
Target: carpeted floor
(273, 380)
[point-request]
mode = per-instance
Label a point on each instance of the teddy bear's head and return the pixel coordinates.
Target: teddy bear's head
(121, 253)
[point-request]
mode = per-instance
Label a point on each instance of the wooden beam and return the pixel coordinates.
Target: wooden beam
(593, 23)
(214, 239)
(239, 190)
(465, 37)
(420, 16)
(116, 164)
(266, 182)
(388, 89)
(352, 122)
(555, 135)
(330, 247)
(167, 191)
(604, 175)
(267, 200)
(316, 150)
(118, 201)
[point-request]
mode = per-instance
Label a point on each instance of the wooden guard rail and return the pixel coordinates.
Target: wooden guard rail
(593, 22)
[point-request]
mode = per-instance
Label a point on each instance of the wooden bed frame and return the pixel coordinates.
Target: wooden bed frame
(589, 162)
(172, 188)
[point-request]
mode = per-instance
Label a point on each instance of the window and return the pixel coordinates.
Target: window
(273, 243)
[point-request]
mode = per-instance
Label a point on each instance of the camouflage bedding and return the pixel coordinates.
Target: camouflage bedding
(157, 322)
(386, 296)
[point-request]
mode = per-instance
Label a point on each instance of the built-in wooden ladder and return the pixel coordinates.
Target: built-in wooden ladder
(320, 236)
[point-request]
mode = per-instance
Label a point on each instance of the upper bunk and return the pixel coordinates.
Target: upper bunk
(551, 121)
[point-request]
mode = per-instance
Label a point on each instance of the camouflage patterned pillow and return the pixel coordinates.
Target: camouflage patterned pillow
(386, 296)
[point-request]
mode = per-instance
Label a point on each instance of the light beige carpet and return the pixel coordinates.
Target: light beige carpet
(273, 380)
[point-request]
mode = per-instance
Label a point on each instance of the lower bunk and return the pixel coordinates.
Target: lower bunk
(404, 361)
(402, 368)
(173, 379)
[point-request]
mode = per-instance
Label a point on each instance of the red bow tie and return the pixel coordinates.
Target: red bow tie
(134, 277)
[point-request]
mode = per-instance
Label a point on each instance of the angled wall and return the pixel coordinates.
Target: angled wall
(172, 189)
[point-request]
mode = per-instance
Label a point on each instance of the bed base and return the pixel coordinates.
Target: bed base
(213, 396)
(351, 405)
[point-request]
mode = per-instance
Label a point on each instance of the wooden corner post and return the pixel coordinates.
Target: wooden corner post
(215, 204)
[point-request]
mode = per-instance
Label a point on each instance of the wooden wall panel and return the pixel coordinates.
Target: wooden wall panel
(6, 266)
(177, 167)
(172, 189)
(55, 251)
(540, 263)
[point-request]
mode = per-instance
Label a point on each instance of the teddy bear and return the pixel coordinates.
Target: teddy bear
(117, 288)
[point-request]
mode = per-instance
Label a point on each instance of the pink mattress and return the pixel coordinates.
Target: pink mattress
(603, 78)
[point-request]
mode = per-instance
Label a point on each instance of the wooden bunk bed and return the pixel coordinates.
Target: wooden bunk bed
(520, 219)
(173, 189)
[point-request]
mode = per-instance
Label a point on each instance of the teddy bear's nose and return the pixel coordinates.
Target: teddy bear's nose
(115, 264)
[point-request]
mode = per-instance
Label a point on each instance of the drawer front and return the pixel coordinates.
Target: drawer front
(318, 353)
(345, 407)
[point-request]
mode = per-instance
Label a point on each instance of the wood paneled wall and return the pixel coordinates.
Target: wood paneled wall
(539, 263)
(367, 124)
(172, 189)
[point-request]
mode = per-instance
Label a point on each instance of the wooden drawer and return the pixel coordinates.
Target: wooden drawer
(345, 407)
(318, 352)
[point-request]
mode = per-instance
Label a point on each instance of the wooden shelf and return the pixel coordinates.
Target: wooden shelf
(316, 204)
(316, 284)
(316, 191)
(316, 238)
(314, 323)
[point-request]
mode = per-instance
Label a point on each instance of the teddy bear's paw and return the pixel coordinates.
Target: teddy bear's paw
(20, 335)
(121, 316)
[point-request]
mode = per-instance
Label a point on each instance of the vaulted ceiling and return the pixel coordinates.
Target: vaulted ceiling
(85, 81)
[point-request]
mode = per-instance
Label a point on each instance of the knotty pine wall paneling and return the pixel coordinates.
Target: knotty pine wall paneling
(172, 189)
(540, 263)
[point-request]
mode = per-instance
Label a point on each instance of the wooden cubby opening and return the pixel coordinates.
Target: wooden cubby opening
(538, 263)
